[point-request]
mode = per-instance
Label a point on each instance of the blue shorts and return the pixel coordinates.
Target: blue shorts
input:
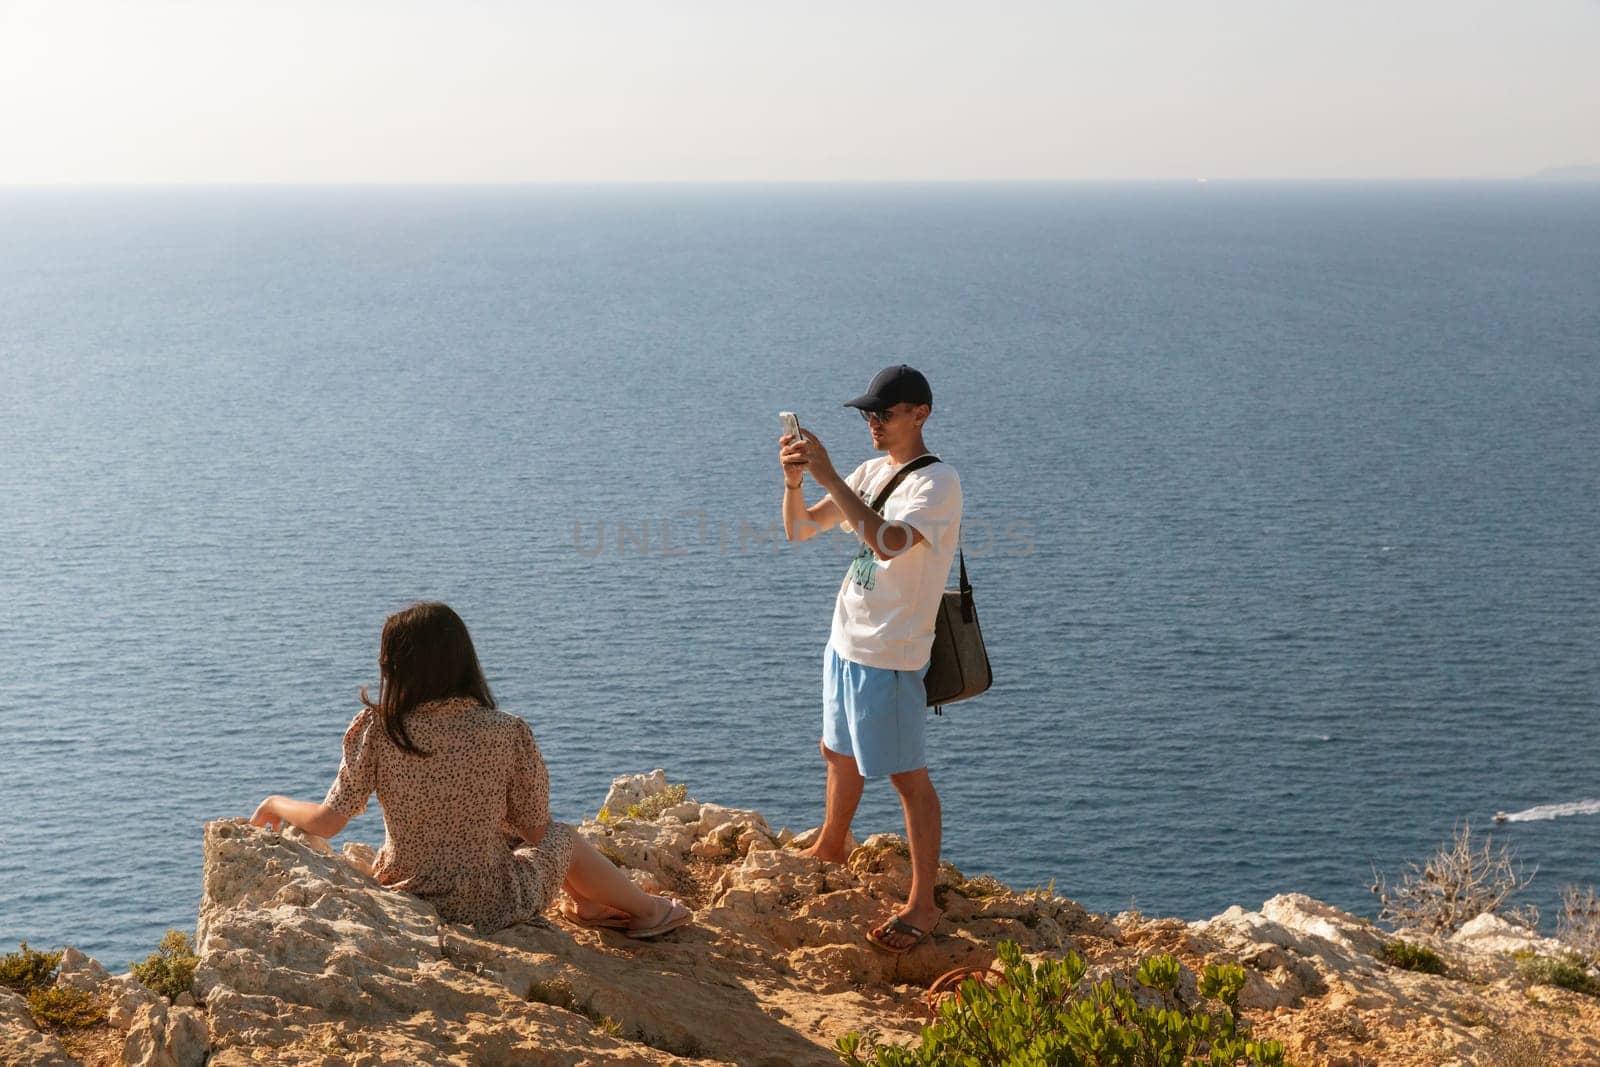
(880, 717)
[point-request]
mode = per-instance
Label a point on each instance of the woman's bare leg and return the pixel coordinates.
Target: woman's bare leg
(587, 910)
(594, 879)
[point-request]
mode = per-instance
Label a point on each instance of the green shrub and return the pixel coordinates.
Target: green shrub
(981, 887)
(1410, 957)
(64, 1008)
(25, 970)
(1568, 972)
(1042, 1014)
(169, 970)
(652, 806)
(1159, 972)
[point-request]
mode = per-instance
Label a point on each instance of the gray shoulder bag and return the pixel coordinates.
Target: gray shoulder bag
(958, 668)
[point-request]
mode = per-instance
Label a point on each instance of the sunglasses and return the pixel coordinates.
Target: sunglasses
(879, 417)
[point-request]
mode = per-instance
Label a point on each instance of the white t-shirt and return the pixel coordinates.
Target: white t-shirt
(885, 610)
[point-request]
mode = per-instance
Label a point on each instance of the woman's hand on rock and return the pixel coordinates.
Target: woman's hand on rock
(267, 815)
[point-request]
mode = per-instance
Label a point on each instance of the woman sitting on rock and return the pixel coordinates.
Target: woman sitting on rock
(465, 795)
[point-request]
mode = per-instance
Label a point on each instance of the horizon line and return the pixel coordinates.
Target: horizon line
(1539, 178)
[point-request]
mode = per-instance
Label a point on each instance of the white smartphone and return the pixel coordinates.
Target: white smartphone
(791, 423)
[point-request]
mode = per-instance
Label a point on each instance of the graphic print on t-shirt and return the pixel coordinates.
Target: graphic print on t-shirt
(864, 568)
(884, 614)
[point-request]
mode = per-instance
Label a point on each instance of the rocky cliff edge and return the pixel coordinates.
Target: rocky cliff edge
(305, 960)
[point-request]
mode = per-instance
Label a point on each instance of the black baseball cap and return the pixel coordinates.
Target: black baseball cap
(892, 386)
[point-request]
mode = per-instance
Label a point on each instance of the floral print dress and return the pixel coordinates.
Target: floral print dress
(468, 826)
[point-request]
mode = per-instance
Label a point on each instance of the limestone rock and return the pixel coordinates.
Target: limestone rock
(1331, 939)
(21, 1041)
(26, 1045)
(806, 838)
(686, 812)
(145, 1045)
(1313, 972)
(659, 849)
(79, 971)
(718, 820)
(166, 1037)
(306, 960)
(14, 1010)
(1490, 933)
(631, 789)
(1301, 913)
(187, 1040)
(299, 948)
(310, 840)
(364, 858)
(126, 998)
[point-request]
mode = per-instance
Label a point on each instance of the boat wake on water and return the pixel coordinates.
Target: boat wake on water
(1550, 811)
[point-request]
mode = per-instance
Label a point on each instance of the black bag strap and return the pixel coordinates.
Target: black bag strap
(925, 460)
(966, 586)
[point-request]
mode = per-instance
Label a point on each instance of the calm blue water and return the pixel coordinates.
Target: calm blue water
(1282, 505)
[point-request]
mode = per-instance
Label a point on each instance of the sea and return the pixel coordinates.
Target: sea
(1282, 511)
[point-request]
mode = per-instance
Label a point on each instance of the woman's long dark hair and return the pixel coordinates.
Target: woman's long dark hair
(426, 654)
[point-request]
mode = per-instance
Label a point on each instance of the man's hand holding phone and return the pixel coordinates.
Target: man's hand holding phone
(799, 451)
(791, 450)
(804, 452)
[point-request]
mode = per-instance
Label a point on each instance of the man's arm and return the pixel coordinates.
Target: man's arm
(886, 539)
(802, 523)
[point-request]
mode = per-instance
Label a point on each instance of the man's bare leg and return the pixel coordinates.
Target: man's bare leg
(924, 825)
(844, 793)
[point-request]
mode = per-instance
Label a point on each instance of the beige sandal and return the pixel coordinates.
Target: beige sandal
(677, 915)
(617, 920)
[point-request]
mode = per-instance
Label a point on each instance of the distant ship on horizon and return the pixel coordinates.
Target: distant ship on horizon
(1580, 172)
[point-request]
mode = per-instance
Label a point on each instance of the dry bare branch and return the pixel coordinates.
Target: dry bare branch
(1461, 881)
(1578, 926)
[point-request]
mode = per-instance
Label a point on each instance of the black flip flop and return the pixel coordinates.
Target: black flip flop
(897, 925)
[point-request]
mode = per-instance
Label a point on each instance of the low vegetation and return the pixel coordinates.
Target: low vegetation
(1467, 878)
(1566, 972)
(1047, 891)
(26, 969)
(982, 887)
(169, 970)
(1043, 1013)
(651, 807)
(1412, 957)
(60, 1010)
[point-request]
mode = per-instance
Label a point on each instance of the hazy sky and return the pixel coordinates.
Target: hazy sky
(403, 90)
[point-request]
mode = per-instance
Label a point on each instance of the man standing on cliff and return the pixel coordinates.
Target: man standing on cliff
(874, 708)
